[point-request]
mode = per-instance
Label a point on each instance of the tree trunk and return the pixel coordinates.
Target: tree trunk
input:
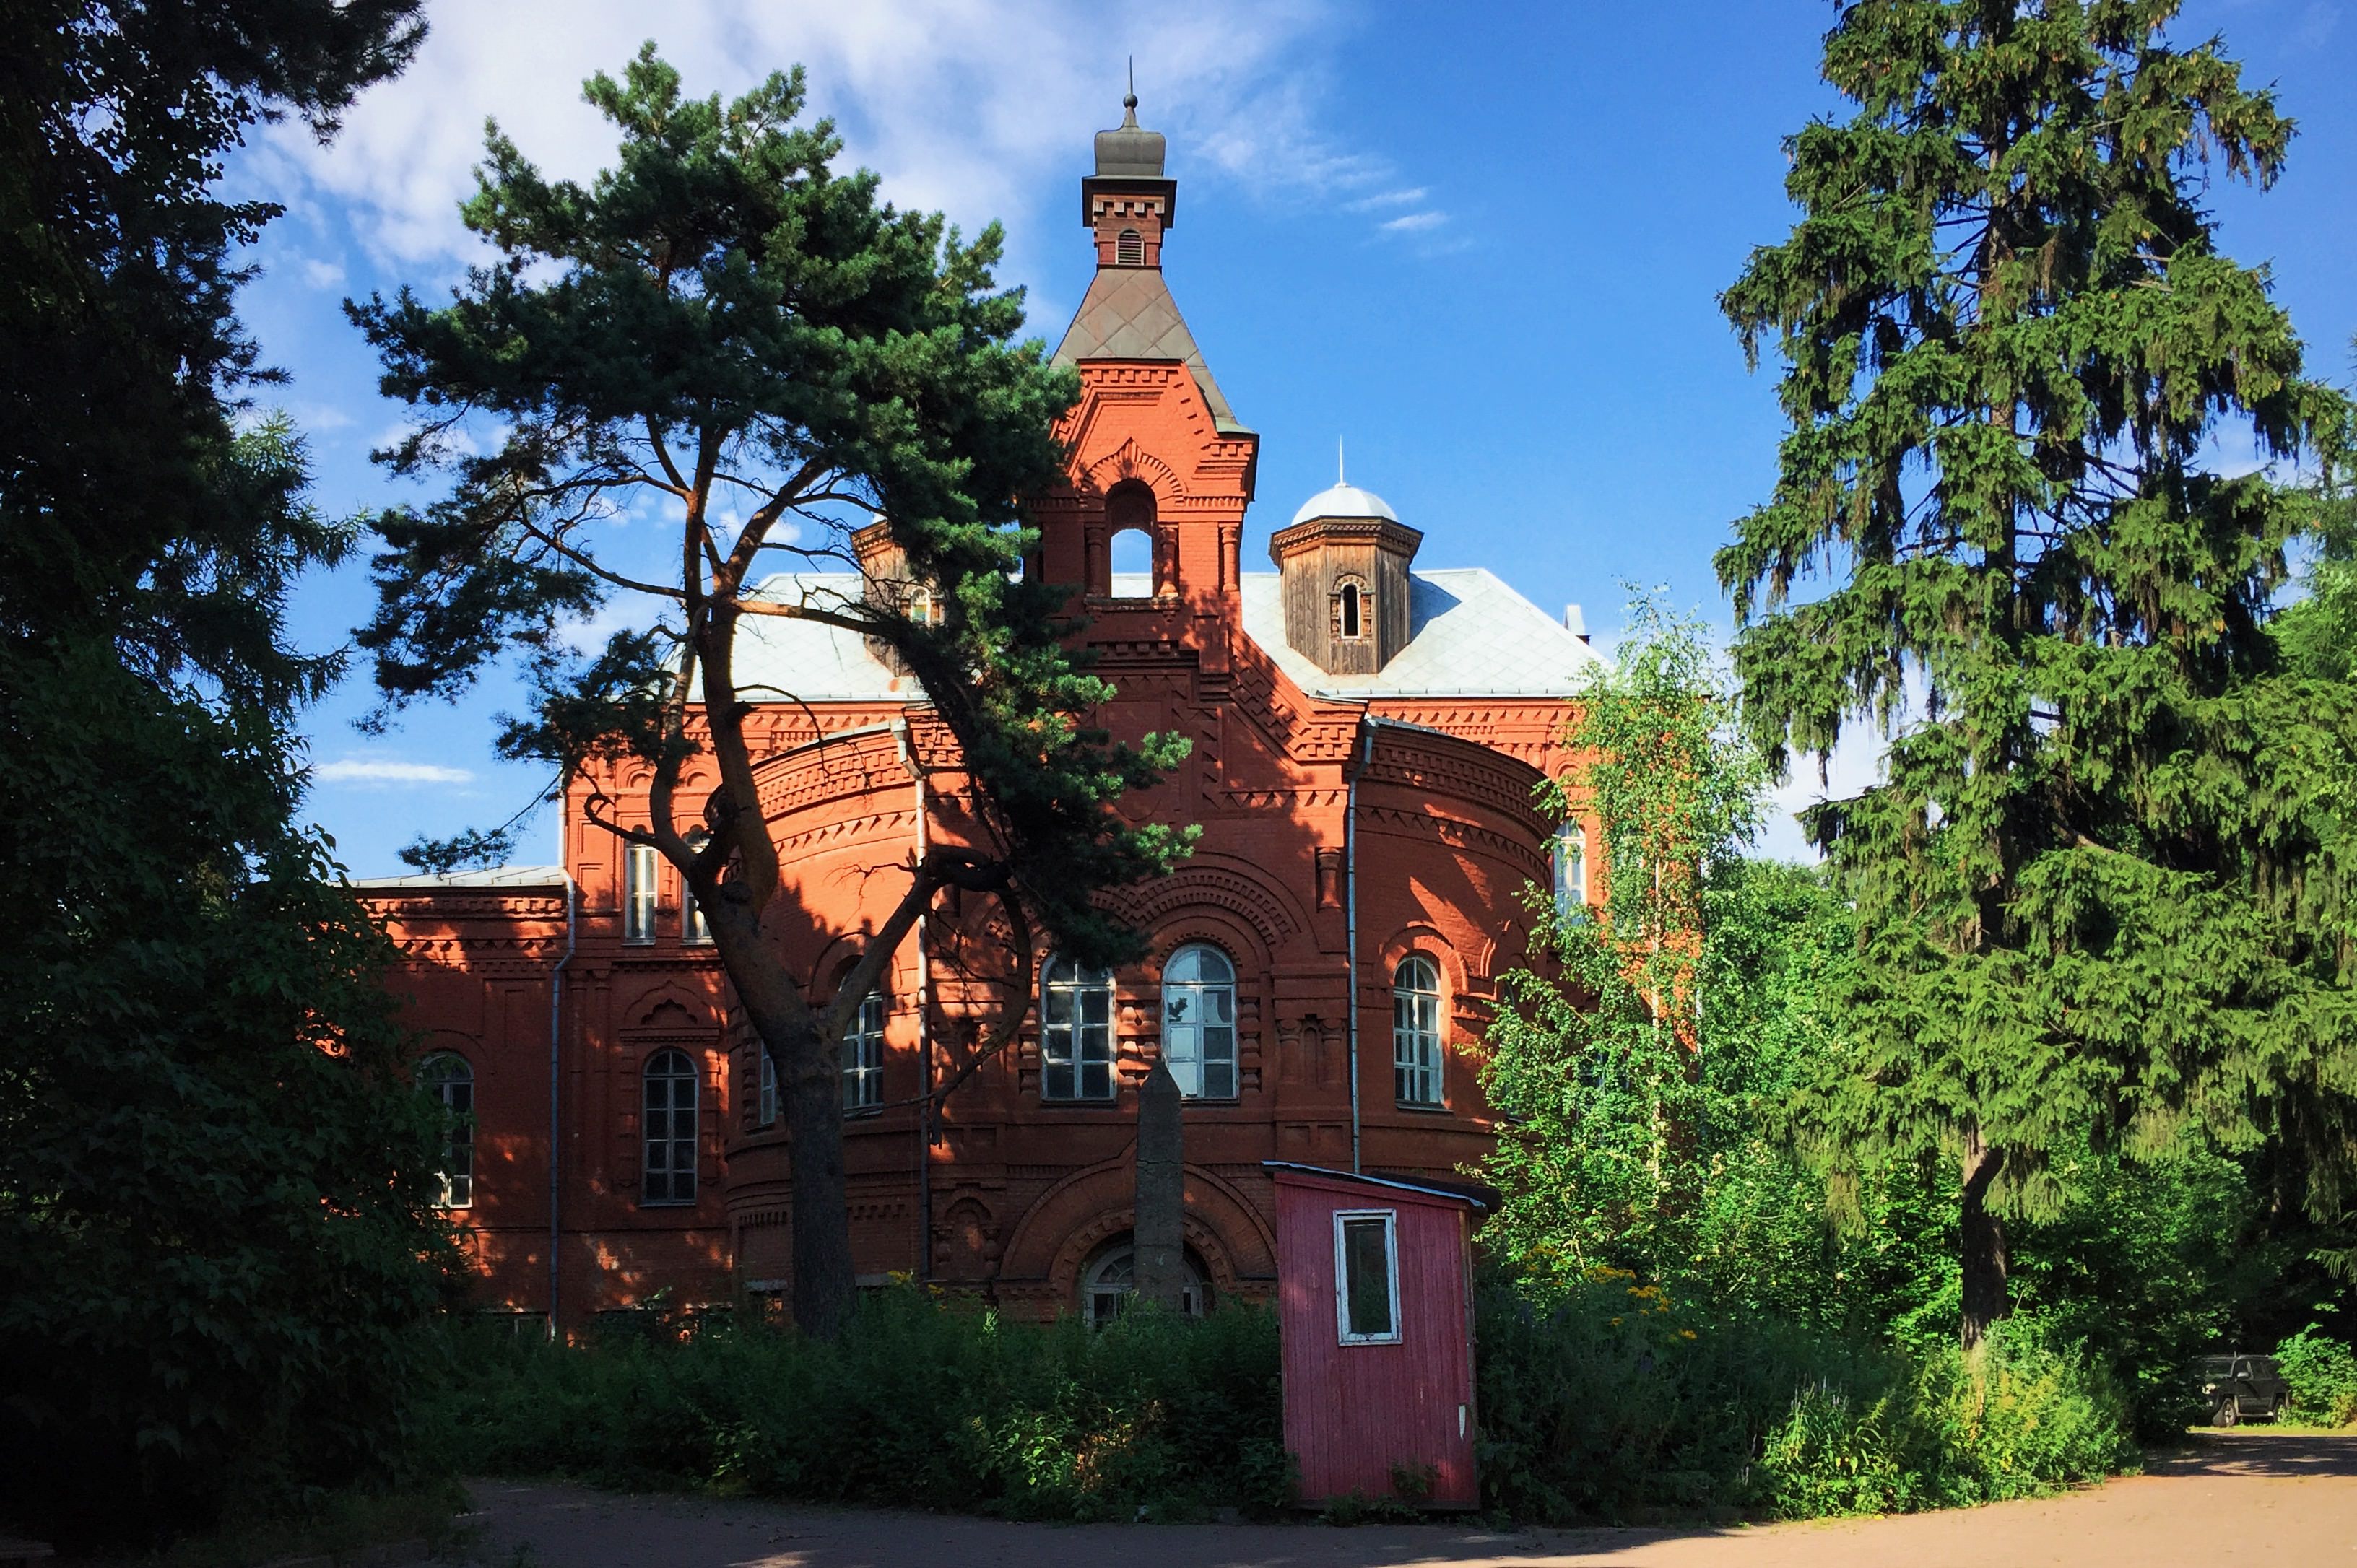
(810, 1083)
(1983, 1244)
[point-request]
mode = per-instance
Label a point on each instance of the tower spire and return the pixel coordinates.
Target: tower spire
(1129, 99)
(1340, 477)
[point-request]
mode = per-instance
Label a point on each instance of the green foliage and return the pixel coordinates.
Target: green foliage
(2322, 1373)
(2092, 886)
(1605, 1397)
(915, 1404)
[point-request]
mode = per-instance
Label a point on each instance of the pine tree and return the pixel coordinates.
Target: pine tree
(724, 322)
(2085, 883)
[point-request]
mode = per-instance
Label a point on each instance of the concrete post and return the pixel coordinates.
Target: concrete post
(1158, 1241)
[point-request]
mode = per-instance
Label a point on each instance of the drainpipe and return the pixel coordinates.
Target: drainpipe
(1366, 754)
(916, 771)
(556, 1128)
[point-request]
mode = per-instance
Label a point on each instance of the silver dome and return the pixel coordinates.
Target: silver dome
(1345, 500)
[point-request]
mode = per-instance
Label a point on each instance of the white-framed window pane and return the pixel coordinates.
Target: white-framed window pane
(863, 1056)
(1416, 1032)
(1366, 1276)
(1570, 869)
(447, 1078)
(1198, 1022)
(639, 893)
(670, 1129)
(1075, 1032)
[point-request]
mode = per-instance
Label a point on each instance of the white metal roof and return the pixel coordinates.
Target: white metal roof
(1468, 635)
(1345, 500)
(497, 877)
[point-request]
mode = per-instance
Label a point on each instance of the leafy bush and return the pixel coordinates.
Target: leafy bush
(1607, 1399)
(917, 1405)
(2322, 1373)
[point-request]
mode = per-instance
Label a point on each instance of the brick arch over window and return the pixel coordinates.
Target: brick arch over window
(1063, 1229)
(1212, 883)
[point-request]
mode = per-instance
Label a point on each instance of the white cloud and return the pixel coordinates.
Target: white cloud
(384, 772)
(1382, 198)
(323, 275)
(1414, 222)
(970, 106)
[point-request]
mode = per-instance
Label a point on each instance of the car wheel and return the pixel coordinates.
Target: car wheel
(2228, 1412)
(2281, 1408)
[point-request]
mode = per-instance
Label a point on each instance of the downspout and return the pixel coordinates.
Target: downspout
(555, 1127)
(916, 771)
(1351, 912)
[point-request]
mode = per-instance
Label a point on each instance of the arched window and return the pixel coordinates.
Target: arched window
(670, 1129)
(766, 1087)
(1570, 870)
(862, 1056)
(1198, 1022)
(1075, 1031)
(924, 610)
(694, 929)
(1129, 249)
(446, 1077)
(639, 893)
(1108, 1283)
(1415, 1031)
(1131, 570)
(1354, 622)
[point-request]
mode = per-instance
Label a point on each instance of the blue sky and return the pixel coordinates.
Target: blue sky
(1483, 243)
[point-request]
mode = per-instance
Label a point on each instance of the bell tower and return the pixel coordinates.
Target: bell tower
(1155, 447)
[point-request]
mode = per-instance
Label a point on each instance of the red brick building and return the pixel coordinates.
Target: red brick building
(1366, 736)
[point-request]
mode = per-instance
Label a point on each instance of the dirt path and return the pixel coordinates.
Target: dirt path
(2251, 1497)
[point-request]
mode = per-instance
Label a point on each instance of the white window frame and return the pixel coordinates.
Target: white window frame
(765, 1087)
(672, 1138)
(1418, 1058)
(863, 1056)
(1390, 1217)
(639, 882)
(694, 930)
(1570, 866)
(1074, 1057)
(1183, 1041)
(454, 1189)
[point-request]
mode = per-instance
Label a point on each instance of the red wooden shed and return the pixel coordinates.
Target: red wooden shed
(1375, 1310)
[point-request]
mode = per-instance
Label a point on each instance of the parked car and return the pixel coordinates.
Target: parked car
(2240, 1387)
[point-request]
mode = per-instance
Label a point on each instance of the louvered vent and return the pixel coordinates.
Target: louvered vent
(1129, 250)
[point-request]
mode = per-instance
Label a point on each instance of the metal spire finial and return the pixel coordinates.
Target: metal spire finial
(1129, 99)
(1340, 477)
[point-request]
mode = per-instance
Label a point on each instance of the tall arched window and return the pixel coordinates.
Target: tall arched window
(765, 1095)
(1129, 249)
(446, 1077)
(862, 1056)
(1075, 1031)
(1570, 869)
(1415, 1031)
(1198, 1022)
(1349, 613)
(670, 1129)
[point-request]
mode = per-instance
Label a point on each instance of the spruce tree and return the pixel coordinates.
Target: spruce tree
(2010, 340)
(724, 331)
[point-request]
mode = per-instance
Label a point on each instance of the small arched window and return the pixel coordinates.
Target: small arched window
(1352, 609)
(1109, 1282)
(1570, 870)
(924, 610)
(862, 1056)
(446, 1077)
(1415, 1031)
(1129, 249)
(1075, 1031)
(670, 1129)
(1198, 1022)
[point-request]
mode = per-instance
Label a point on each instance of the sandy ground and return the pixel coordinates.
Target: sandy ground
(2244, 1496)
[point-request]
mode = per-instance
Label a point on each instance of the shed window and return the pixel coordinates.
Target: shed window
(670, 1129)
(1075, 1032)
(1129, 249)
(1416, 1032)
(1198, 1022)
(639, 893)
(863, 1056)
(1570, 870)
(446, 1077)
(1366, 1276)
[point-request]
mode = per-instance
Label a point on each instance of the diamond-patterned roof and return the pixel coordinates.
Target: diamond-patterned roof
(1128, 314)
